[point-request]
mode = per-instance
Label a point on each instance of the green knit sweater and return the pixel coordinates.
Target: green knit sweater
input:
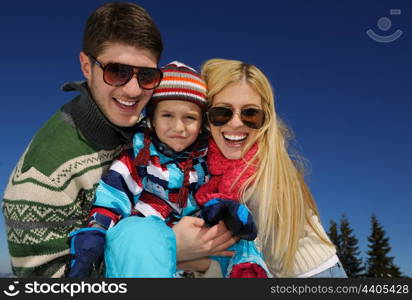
(52, 187)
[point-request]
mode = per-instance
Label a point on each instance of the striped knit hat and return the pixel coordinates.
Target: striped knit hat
(180, 82)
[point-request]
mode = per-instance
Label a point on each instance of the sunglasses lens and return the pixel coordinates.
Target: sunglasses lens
(149, 78)
(117, 74)
(253, 117)
(219, 116)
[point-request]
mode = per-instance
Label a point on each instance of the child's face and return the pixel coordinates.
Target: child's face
(177, 123)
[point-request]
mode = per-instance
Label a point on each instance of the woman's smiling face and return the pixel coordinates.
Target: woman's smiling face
(232, 137)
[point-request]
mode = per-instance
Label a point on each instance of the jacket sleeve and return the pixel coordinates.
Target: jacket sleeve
(117, 192)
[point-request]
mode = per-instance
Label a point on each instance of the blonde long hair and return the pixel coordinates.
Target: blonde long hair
(285, 202)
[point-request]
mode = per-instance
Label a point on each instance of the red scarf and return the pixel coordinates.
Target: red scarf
(223, 173)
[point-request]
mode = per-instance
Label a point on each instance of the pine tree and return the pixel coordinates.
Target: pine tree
(334, 236)
(349, 250)
(378, 263)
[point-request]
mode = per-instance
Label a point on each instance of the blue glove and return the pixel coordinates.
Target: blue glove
(236, 216)
(87, 247)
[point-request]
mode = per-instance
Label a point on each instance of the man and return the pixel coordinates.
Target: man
(51, 189)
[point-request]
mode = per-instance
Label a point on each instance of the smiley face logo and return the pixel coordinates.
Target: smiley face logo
(384, 24)
(12, 291)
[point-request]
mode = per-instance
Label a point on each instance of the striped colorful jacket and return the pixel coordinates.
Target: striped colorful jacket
(147, 190)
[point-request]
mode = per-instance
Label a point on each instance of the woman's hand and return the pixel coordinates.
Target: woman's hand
(194, 240)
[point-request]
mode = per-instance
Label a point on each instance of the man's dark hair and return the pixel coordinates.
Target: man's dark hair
(121, 22)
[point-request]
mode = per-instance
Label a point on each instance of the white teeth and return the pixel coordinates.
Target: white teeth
(126, 103)
(235, 137)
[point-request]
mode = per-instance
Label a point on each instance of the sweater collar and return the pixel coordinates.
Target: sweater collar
(91, 122)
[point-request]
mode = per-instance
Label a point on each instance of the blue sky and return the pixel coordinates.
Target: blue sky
(348, 98)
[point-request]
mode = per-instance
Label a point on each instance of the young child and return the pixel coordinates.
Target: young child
(155, 179)
(150, 187)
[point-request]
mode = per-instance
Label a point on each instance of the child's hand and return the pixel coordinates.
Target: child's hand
(87, 246)
(235, 215)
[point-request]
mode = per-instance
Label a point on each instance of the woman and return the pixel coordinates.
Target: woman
(242, 115)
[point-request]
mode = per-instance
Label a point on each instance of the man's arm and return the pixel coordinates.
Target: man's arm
(38, 228)
(48, 196)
